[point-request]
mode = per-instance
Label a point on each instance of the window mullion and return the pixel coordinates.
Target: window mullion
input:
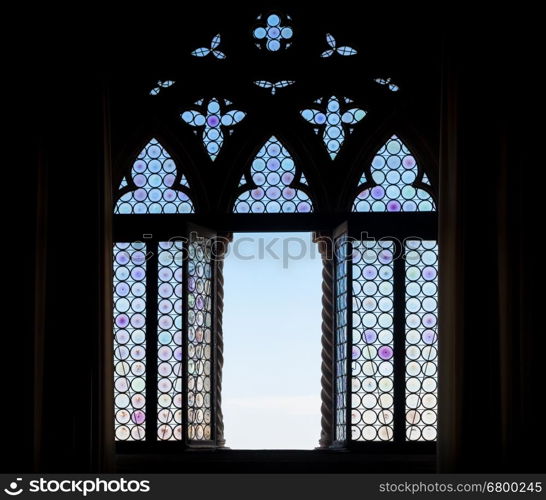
(349, 369)
(399, 344)
(185, 340)
(151, 341)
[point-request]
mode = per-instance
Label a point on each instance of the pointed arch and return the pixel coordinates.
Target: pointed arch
(396, 182)
(278, 186)
(155, 186)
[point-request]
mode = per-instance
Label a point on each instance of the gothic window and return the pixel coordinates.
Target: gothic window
(163, 300)
(274, 149)
(386, 306)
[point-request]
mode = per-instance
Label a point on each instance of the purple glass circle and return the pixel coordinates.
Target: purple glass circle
(289, 193)
(122, 289)
(138, 320)
(429, 273)
(169, 195)
(273, 149)
(165, 322)
(122, 320)
(273, 192)
(370, 336)
(378, 192)
(369, 272)
(429, 320)
(304, 207)
(385, 352)
(139, 180)
(164, 353)
(140, 194)
(122, 258)
(408, 162)
(165, 306)
(385, 256)
(165, 290)
(169, 179)
(213, 121)
(429, 336)
(393, 206)
(287, 178)
(273, 164)
(258, 178)
(122, 336)
(137, 273)
(139, 166)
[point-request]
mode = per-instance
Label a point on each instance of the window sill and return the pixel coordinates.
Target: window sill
(275, 461)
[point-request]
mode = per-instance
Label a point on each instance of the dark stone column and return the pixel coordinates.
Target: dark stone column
(220, 251)
(327, 392)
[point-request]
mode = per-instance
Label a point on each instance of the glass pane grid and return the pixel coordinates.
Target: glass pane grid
(169, 329)
(199, 340)
(154, 175)
(372, 381)
(273, 171)
(421, 339)
(341, 311)
(394, 170)
(130, 341)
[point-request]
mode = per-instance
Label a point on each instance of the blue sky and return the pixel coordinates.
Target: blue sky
(272, 315)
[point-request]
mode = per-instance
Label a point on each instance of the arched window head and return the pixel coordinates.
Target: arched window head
(391, 188)
(277, 183)
(154, 175)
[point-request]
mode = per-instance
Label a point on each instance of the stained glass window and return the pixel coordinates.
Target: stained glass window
(334, 117)
(272, 34)
(278, 187)
(372, 345)
(421, 339)
(341, 333)
(211, 119)
(169, 346)
(157, 188)
(393, 298)
(130, 341)
(392, 185)
(385, 292)
(199, 339)
(182, 301)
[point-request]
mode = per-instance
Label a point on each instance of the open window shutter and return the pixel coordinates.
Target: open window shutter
(200, 293)
(342, 330)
